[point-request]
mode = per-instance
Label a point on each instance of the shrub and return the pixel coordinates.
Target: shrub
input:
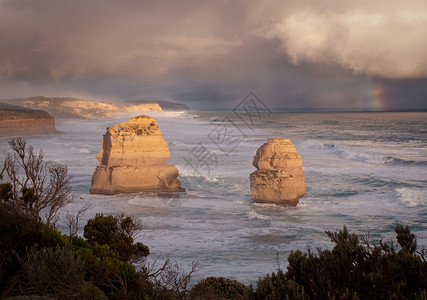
(118, 233)
(218, 288)
(278, 286)
(354, 268)
(53, 272)
(39, 194)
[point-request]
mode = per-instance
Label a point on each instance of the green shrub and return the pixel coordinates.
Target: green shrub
(278, 286)
(218, 288)
(53, 272)
(118, 233)
(352, 270)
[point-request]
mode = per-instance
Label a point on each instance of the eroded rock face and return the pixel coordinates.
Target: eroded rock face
(279, 178)
(133, 159)
(21, 121)
(78, 108)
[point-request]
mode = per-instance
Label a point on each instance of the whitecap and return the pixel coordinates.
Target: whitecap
(254, 215)
(412, 197)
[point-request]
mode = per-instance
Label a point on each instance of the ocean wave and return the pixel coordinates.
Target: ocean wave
(412, 197)
(257, 204)
(389, 160)
(365, 157)
(80, 150)
(375, 157)
(315, 144)
(254, 215)
(381, 182)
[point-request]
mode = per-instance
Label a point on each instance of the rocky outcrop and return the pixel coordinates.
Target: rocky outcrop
(167, 105)
(79, 108)
(279, 178)
(21, 121)
(133, 159)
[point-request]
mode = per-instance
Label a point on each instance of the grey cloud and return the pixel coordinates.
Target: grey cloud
(57, 39)
(208, 53)
(382, 38)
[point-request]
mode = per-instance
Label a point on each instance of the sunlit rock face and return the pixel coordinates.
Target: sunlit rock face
(79, 108)
(20, 121)
(279, 178)
(133, 159)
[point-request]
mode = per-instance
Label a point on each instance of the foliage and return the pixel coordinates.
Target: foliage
(34, 190)
(218, 288)
(53, 271)
(170, 280)
(354, 268)
(278, 286)
(38, 262)
(118, 233)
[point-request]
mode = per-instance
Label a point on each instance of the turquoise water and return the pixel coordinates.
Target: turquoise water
(363, 170)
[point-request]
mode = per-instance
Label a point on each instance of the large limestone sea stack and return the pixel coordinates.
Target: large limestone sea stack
(279, 178)
(133, 159)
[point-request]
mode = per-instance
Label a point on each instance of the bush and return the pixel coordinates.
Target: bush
(278, 286)
(53, 272)
(41, 193)
(352, 269)
(218, 288)
(118, 233)
(104, 271)
(16, 236)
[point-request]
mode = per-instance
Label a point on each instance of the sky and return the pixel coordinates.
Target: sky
(295, 55)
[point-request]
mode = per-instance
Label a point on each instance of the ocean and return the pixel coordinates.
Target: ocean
(366, 171)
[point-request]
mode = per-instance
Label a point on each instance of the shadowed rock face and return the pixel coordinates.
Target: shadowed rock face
(20, 121)
(133, 159)
(279, 178)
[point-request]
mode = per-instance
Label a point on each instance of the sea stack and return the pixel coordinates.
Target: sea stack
(279, 178)
(133, 159)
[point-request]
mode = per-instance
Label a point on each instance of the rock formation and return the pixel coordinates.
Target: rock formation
(279, 178)
(21, 121)
(133, 159)
(78, 108)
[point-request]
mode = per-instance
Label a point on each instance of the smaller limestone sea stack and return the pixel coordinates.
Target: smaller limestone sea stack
(279, 178)
(133, 159)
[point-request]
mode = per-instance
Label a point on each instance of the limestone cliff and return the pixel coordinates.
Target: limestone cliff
(133, 159)
(21, 121)
(79, 108)
(279, 178)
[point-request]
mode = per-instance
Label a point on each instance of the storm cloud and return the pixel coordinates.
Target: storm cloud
(293, 53)
(382, 38)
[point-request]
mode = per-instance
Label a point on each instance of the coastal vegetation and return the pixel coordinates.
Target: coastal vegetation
(39, 262)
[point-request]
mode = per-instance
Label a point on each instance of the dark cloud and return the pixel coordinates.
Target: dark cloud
(381, 38)
(295, 54)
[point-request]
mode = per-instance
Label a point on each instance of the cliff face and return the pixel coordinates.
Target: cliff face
(20, 121)
(279, 178)
(78, 108)
(133, 159)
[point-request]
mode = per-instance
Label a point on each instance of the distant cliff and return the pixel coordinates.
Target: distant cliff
(21, 121)
(78, 108)
(166, 105)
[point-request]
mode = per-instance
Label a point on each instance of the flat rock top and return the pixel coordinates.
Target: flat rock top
(277, 153)
(12, 112)
(279, 145)
(140, 125)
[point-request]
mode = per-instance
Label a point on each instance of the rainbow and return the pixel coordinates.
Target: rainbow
(375, 96)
